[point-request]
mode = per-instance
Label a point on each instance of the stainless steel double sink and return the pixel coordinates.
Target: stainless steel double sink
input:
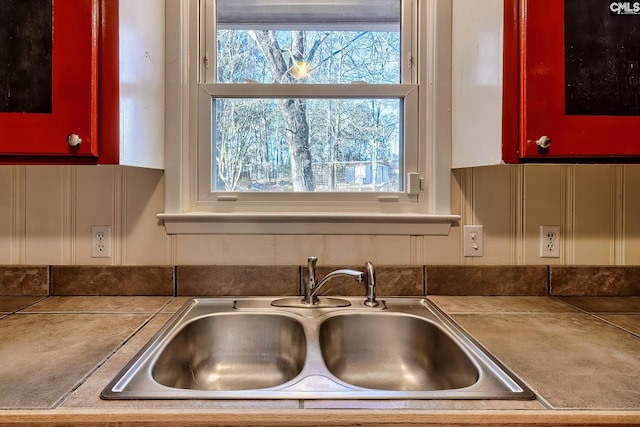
(245, 348)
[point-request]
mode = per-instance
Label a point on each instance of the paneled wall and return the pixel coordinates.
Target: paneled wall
(46, 213)
(597, 207)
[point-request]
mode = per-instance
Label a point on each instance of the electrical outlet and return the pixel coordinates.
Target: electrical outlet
(473, 240)
(100, 241)
(549, 241)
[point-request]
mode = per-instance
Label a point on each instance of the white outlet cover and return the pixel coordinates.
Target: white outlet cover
(473, 241)
(550, 241)
(100, 241)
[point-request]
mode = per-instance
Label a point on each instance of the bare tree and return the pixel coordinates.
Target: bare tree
(294, 111)
(234, 142)
(314, 143)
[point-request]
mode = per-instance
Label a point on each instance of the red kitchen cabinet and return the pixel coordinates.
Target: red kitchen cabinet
(82, 82)
(567, 84)
(71, 62)
(579, 79)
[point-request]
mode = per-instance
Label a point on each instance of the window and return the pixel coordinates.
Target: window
(307, 113)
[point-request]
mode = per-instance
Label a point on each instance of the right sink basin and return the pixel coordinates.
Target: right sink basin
(394, 352)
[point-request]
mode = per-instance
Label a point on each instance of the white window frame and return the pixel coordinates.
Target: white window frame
(424, 207)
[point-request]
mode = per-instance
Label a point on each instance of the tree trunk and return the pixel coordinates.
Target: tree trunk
(294, 111)
(295, 117)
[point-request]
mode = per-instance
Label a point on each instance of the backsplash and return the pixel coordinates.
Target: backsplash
(112, 280)
(46, 214)
(287, 280)
(487, 280)
(24, 280)
(595, 281)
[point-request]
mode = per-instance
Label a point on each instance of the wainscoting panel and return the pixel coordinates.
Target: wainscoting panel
(593, 218)
(542, 202)
(6, 214)
(46, 214)
(631, 216)
(44, 219)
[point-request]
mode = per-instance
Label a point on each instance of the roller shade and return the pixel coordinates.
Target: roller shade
(346, 15)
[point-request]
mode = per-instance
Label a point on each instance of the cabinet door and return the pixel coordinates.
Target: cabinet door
(581, 79)
(48, 77)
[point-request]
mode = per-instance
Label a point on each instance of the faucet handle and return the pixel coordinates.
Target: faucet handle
(371, 285)
(310, 285)
(311, 268)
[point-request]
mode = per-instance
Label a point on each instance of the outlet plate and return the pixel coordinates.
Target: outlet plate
(473, 240)
(549, 241)
(100, 241)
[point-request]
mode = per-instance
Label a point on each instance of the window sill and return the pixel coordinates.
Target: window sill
(307, 223)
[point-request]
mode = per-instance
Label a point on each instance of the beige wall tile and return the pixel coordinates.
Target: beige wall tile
(632, 215)
(225, 250)
(6, 213)
(442, 250)
(340, 250)
(492, 208)
(445, 250)
(44, 215)
(343, 250)
(456, 192)
(49, 221)
(144, 240)
(593, 222)
(292, 250)
(542, 206)
(95, 199)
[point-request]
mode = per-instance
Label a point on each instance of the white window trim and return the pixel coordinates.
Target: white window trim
(183, 216)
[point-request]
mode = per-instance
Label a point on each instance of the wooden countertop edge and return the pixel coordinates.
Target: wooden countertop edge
(293, 417)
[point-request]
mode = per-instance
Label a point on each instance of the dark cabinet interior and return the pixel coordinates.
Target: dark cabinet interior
(602, 60)
(25, 56)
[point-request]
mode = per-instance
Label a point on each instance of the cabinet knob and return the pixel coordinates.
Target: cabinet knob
(74, 140)
(544, 142)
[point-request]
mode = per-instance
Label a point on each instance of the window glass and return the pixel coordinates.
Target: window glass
(307, 143)
(269, 56)
(341, 145)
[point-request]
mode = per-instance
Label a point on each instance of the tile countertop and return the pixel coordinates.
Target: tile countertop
(581, 355)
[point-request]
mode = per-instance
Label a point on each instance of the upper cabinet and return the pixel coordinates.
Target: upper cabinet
(580, 79)
(82, 82)
(544, 80)
(48, 65)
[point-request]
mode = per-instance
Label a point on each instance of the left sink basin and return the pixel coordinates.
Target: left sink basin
(232, 352)
(210, 349)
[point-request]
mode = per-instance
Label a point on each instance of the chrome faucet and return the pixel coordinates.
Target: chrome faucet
(312, 287)
(371, 285)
